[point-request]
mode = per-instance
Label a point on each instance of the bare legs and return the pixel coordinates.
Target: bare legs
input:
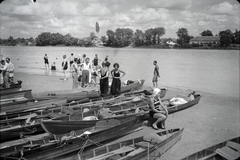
(160, 118)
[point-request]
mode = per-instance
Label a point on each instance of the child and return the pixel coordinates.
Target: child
(53, 66)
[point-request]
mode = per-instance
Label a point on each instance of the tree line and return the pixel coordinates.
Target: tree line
(121, 37)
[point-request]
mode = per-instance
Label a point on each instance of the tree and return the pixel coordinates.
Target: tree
(92, 36)
(97, 27)
(149, 33)
(138, 38)
(111, 37)
(206, 33)
(160, 31)
(236, 36)
(44, 39)
(226, 37)
(104, 39)
(183, 36)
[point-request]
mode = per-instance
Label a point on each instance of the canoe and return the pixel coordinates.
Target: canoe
(137, 148)
(124, 89)
(12, 128)
(8, 112)
(17, 131)
(229, 149)
(63, 94)
(16, 98)
(75, 121)
(16, 86)
(103, 130)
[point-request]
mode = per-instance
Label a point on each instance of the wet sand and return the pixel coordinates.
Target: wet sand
(213, 120)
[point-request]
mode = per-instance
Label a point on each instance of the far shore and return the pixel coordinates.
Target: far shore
(139, 47)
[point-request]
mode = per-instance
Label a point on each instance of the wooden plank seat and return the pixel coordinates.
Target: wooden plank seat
(31, 146)
(121, 150)
(231, 151)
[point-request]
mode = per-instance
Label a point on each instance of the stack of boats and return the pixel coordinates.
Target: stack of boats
(47, 125)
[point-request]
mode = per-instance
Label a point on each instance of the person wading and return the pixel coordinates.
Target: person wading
(155, 74)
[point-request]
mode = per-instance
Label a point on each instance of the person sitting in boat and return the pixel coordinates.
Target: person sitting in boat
(157, 109)
(53, 66)
(191, 96)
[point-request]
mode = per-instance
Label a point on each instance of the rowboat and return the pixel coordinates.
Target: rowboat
(17, 131)
(78, 94)
(16, 86)
(68, 123)
(124, 89)
(103, 130)
(29, 124)
(141, 147)
(75, 121)
(225, 150)
(15, 98)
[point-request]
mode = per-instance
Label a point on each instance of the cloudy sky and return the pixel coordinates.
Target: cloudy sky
(23, 18)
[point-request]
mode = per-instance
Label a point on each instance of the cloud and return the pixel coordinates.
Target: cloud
(222, 8)
(171, 4)
(96, 9)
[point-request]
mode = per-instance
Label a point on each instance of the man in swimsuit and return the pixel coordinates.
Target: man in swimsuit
(46, 61)
(155, 75)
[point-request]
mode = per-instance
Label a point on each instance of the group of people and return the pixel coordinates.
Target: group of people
(6, 72)
(93, 72)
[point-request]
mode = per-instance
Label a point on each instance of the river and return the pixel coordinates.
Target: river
(212, 71)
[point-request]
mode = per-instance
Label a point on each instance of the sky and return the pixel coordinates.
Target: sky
(25, 19)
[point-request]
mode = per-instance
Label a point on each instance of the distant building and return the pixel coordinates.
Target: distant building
(171, 43)
(205, 40)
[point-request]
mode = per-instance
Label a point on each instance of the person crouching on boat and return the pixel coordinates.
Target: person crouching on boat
(75, 73)
(157, 109)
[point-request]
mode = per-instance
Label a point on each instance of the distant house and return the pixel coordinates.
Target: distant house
(171, 43)
(205, 40)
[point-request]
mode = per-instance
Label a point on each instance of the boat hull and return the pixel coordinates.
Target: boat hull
(56, 149)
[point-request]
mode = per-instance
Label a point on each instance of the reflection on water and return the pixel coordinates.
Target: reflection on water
(214, 71)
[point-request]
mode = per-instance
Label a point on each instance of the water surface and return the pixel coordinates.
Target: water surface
(213, 71)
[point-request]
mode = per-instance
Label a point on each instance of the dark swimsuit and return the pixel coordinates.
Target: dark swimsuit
(116, 84)
(151, 113)
(104, 84)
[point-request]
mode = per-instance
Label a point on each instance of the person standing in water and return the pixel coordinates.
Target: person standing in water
(155, 75)
(104, 83)
(46, 62)
(71, 59)
(75, 74)
(86, 68)
(65, 66)
(116, 82)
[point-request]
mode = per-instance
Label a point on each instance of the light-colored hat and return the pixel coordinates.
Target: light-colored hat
(156, 91)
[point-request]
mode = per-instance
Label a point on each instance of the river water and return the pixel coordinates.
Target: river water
(212, 71)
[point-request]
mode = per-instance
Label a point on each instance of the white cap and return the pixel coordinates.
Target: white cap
(156, 91)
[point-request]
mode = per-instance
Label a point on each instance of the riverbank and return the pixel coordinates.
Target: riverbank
(213, 120)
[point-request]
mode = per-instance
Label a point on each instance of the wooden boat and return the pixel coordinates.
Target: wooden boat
(64, 124)
(12, 128)
(103, 130)
(16, 86)
(15, 98)
(75, 121)
(136, 148)
(17, 131)
(124, 89)
(226, 150)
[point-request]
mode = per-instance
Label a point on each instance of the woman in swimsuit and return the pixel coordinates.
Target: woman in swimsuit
(65, 66)
(157, 109)
(104, 84)
(116, 83)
